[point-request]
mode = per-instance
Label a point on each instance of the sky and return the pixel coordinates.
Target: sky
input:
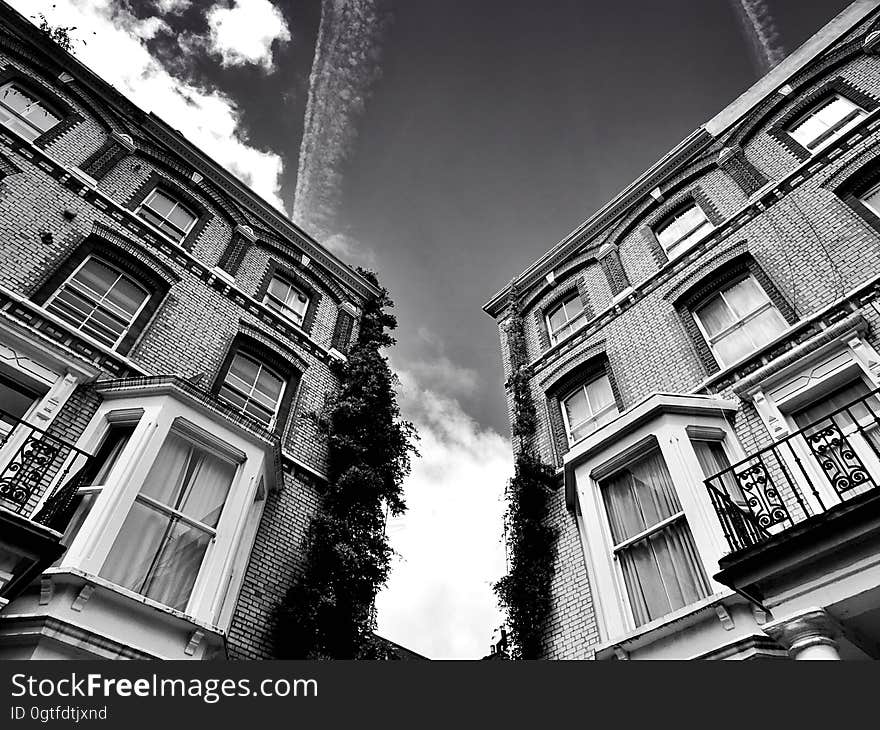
(446, 144)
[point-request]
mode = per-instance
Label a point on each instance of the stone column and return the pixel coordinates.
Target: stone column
(810, 634)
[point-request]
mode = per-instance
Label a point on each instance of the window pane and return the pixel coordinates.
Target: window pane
(763, 327)
(96, 276)
(23, 113)
(734, 345)
(872, 200)
(745, 297)
(834, 111)
(244, 368)
(279, 288)
(160, 203)
(557, 319)
(639, 496)
(600, 394)
(576, 408)
(127, 295)
(181, 218)
(715, 316)
(713, 460)
(269, 384)
(156, 556)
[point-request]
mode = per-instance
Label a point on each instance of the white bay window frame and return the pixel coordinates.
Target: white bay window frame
(604, 453)
(213, 593)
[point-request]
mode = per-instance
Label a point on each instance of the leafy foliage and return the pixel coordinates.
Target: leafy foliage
(525, 592)
(61, 34)
(328, 613)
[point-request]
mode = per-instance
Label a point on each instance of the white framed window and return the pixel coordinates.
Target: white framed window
(587, 407)
(99, 300)
(738, 320)
(253, 388)
(871, 199)
(287, 299)
(652, 542)
(160, 548)
(825, 122)
(169, 215)
(22, 112)
(714, 460)
(95, 478)
(682, 229)
(565, 318)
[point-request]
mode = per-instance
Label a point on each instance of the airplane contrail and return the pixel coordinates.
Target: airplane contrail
(345, 66)
(761, 30)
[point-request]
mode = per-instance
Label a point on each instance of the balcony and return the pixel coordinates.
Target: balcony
(33, 463)
(804, 479)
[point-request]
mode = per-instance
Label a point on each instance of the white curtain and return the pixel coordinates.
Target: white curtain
(156, 553)
(662, 572)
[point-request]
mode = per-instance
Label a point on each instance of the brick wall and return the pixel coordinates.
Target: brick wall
(191, 330)
(811, 245)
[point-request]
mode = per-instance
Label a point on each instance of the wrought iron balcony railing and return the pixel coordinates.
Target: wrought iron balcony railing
(805, 474)
(33, 461)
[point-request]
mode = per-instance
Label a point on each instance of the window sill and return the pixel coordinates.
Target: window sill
(660, 627)
(63, 571)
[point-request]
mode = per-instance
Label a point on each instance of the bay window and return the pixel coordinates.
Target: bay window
(99, 300)
(22, 112)
(652, 542)
(565, 318)
(587, 407)
(162, 543)
(739, 319)
(682, 229)
(826, 121)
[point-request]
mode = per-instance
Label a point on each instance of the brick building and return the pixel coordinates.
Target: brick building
(702, 354)
(165, 335)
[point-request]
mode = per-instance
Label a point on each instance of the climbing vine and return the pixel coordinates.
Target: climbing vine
(328, 613)
(525, 592)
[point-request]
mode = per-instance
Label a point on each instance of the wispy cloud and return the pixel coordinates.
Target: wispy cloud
(244, 32)
(205, 116)
(172, 7)
(439, 600)
(345, 66)
(761, 30)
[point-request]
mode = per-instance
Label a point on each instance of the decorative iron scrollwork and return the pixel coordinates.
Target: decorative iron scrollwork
(28, 468)
(839, 461)
(762, 496)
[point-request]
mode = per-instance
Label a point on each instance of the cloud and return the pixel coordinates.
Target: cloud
(172, 7)
(345, 67)
(436, 371)
(760, 28)
(117, 52)
(244, 32)
(439, 600)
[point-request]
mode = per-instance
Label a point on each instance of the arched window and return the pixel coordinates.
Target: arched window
(24, 113)
(100, 300)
